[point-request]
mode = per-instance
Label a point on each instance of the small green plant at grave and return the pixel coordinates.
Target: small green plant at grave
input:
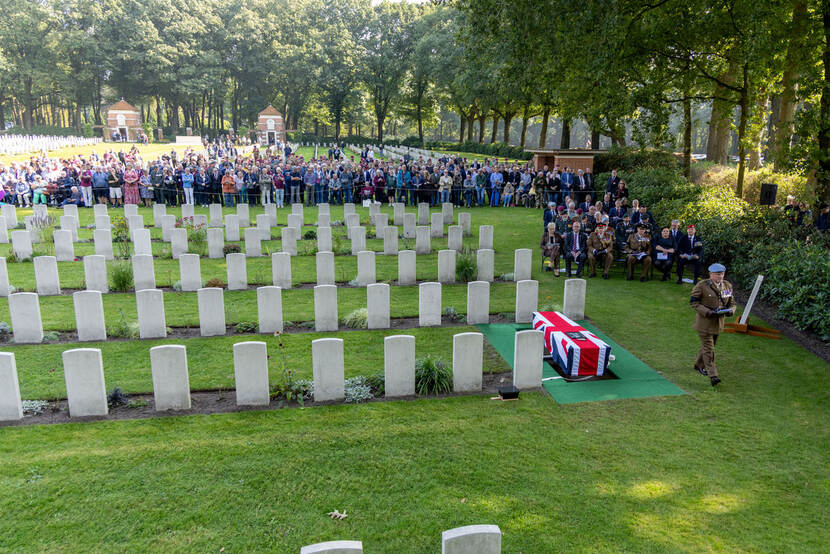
(165, 254)
(215, 282)
(120, 236)
(121, 276)
(465, 267)
(177, 286)
(507, 276)
(311, 234)
(123, 329)
(231, 249)
(44, 226)
(357, 319)
(547, 308)
(407, 244)
(288, 388)
(432, 376)
(138, 403)
(5, 331)
(34, 407)
(246, 327)
(11, 258)
(116, 397)
(51, 336)
(357, 390)
(196, 238)
(259, 276)
(308, 249)
(450, 313)
(377, 383)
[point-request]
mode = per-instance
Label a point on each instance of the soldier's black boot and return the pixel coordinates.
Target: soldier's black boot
(715, 380)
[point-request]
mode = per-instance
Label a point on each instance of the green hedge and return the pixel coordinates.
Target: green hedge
(47, 130)
(496, 149)
(633, 159)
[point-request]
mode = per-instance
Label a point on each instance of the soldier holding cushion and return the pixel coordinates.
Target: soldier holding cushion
(712, 300)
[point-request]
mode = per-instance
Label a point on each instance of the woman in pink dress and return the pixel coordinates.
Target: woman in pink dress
(131, 195)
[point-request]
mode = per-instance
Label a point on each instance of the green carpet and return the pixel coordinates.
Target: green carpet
(635, 379)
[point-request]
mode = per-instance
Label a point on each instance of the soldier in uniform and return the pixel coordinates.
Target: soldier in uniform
(712, 300)
(600, 247)
(621, 232)
(638, 250)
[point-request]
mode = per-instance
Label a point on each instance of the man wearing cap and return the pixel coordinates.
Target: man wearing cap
(621, 232)
(712, 300)
(689, 251)
(600, 247)
(638, 250)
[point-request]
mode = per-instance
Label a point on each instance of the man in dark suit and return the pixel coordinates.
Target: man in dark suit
(613, 182)
(690, 251)
(581, 186)
(676, 233)
(576, 243)
(589, 178)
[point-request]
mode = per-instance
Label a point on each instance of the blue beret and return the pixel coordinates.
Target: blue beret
(717, 268)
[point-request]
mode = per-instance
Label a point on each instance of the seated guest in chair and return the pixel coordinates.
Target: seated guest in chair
(75, 197)
(622, 230)
(600, 248)
(664, 253)
(576, 244)
(550, 248)
(689, 252)
(639, 249)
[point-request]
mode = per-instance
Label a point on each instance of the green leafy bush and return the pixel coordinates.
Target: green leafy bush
(120, 236)
(432, 376)
(498, 149)
(357, 319)
(377, 382)
(197, 239)
(121, 276)
(788, 183)
(116, 397)
(357, 389)
(634, 159)
(231, 249)
(465, 267)
(246, 327)
(311, 234)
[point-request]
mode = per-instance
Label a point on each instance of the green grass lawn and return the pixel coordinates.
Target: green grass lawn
(742, 467)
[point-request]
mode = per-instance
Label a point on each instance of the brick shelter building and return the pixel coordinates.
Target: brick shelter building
(270, 126)
(577, 158)
(125, 119)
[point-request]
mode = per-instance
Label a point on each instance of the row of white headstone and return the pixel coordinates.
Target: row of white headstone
(27, 144)
(47, 277)
(90, 324)
(470, 539)
(87, 396)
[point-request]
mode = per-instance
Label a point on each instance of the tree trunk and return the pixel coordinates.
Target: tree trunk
(565, 139)
(508, 117)
(742, 132)
(543, 132)
(758, 131)
(823, 171)
(28, 103)
(687, 137)
(482, 118)
(420, 117)
(717, 147)
(380, 127)
(495, 129)
(595, 139)
(2, 114)
(470, 122)
(525, 119)
(793, 65)
(174, 119)
(463, 122)
(77, 118)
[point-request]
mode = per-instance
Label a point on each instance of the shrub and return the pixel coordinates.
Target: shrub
(311, 234)
(631, 159)
(121, 277)
(197, 239)
(432, 376)
(788, 183)
(177, 286)
(465, 267)
(450, 313)
(377, 382)
(215, 282)
(357, 390)
(51, 336)
(116, 397)
(231, 249)
(120, 236)
(246, 327)
(357, 319)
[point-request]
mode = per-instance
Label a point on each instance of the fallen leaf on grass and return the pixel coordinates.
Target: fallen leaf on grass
(337, 515)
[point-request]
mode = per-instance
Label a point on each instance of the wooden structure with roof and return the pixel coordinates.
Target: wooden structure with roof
(270, 126)
(125, 119)
(579, 158)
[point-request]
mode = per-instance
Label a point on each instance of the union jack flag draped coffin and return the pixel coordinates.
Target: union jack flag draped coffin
(576, 350)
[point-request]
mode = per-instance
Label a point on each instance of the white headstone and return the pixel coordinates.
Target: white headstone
(215, 215)
(423, 213)
(365, 268)
(141, 242)
(446, 212)
(409, 226)
(103, 243)
(250, 367)
(21, 243)
(46, 275)
(289, 240)
(101, 209)
(216, 243)
(429, 304)
(381, 222)
(10, 215)
(573, 304)
(406, 267)
(237, 271)
(263, 223)
(295, 222)
(422, 240)
(86, 392)
(168, 223)
(399, 365)
(4, 232)
(323, 208)
(527, 359)
(200, 220)
(104, 222)
(455, 238)
(348, 208)
(190, 272)
(324, 239)
(187, 211)
(390, 240)
(358, 240)
(130, 209)
(24, 308)
(327, 369)
(437, 227)
(527, 299)
(485, 237)
(377, 304)
(64, 248)
(281, 269)
(333, 547)
(4, 278)
(446, 266)
(232, 228)
(325, 268)
(325, 308)
(89, 315)
(269, 309)
(211, 311)
(472, 539)
(95, 273)
(71, 209)
(271, 212)
(159, 210)
(11, 407)
(478, 302)
(178, 242)
(467, 355)
(135, 222)
(484, 262)
(171, 383)
(522, 261)
(253, 246)
(398, 210)
(244, 213)
(324, 220)
(150, 307)
(144, 275)
(465, 220)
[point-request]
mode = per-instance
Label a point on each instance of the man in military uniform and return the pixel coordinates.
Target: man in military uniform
(621, 232)
(638, 249)
(712, 300)
(600, 247)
